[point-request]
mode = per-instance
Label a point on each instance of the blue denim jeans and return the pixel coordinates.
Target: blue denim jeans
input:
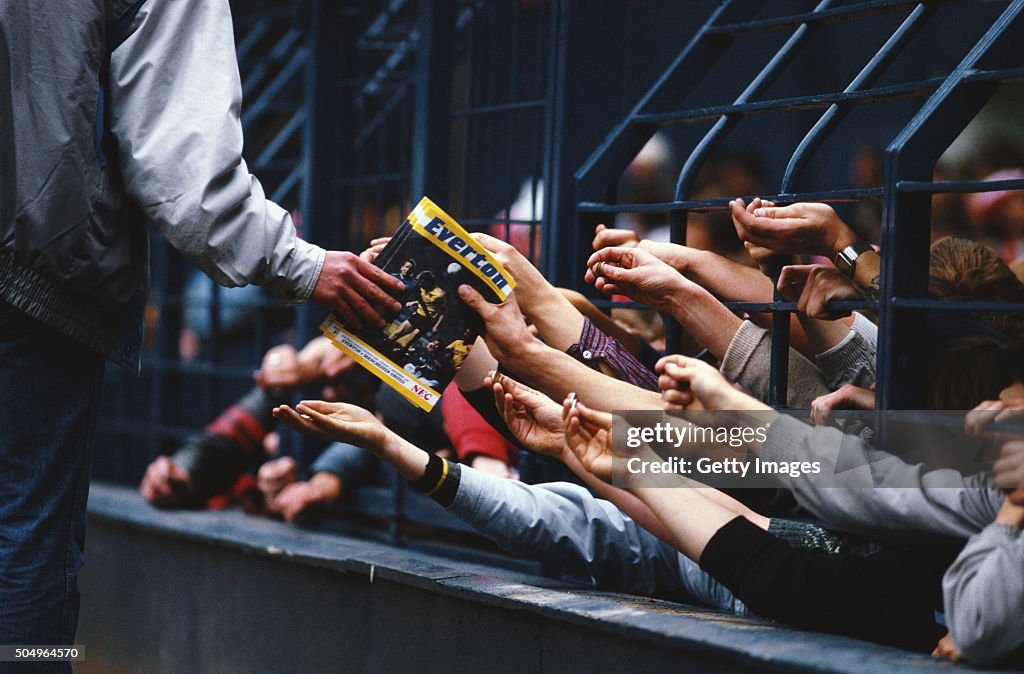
(49, 393)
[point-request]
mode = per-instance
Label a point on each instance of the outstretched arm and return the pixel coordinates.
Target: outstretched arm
(646, 279)
(536, 421)
(690, 514)
(983, 591)
(179, 139)
(551, 371)
(806, 227)
(725, 278)
(850, 489)
(560, 524)
(542, 304)
(341, 422)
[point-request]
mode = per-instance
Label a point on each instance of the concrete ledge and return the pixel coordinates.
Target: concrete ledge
(221, 591)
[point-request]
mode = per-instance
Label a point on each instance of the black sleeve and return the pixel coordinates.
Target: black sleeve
(216, 457)
(889, 597)
(213, 462)
(482, 400)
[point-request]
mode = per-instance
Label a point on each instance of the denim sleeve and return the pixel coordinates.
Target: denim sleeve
(983, 595)
(566, 526)
(175, 111)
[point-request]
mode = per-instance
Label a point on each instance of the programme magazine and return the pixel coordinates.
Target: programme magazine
(421, 348)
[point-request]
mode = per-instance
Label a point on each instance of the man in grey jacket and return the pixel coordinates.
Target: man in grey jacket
(114, 112)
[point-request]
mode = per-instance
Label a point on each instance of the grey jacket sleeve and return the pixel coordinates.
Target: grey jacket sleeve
(851, 361)
(354, 465)
(566, 526)
(867, 491)
(747, 362)
(175, 98)
(983, 593)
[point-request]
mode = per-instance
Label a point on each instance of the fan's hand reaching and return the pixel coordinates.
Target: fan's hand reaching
(335, 422)
(533, 418)
(588, 434)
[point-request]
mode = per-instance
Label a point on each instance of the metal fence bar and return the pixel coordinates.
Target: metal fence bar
(828, 196)
(844, 13)
(373, 179)
(433, 92)
(294, 178)
(500, 107)
(264, 67)
(285, 77)
(884, 94)
(1004, 75)
(382, 116)
(778, 380)
(957, 305)
(689, 67)
(256, 33)
(910, 157)
(293, 126)
(959, 186)
(786, 305)
(868, 74)
(380, 24)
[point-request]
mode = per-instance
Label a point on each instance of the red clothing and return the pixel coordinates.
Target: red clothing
(469, 432)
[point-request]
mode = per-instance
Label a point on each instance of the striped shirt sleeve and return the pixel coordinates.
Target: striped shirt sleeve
(596, 347)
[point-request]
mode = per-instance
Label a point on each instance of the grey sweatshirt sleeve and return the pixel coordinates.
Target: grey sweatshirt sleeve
(747, 362)
(175, 102)
(566, 526)
(983, 593)
(866, 491)
(851, 361)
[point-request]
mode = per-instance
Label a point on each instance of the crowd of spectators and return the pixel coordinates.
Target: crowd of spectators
(920, 553)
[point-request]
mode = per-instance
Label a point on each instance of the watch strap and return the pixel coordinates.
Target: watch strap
(846, 259)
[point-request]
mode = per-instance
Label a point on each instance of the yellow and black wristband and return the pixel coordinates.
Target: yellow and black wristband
(440, 481)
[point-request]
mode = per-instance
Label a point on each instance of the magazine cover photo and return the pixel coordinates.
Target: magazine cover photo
(421, 348)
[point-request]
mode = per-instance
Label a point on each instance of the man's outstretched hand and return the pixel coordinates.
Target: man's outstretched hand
(335, 422)
(351, 286)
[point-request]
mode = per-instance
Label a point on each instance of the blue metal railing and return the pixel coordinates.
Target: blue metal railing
(902, 247)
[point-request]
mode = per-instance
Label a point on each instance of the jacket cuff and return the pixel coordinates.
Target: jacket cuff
(740, 350)
(999, 532)
(466, 503)
(303, 272)
(837, 352)
(866, 328)
(844, 362)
